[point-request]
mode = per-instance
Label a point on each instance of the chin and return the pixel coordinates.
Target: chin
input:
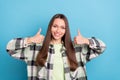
(57, 38)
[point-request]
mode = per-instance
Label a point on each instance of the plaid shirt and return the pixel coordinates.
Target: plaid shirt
(28, 52)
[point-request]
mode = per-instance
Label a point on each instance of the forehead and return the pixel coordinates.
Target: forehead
(59, 21)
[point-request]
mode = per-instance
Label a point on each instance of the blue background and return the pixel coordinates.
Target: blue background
(99, 18)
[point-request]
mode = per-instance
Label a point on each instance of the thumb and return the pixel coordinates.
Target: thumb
(39, 31)
(79, 33)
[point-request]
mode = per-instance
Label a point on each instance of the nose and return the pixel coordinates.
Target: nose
(58, 29)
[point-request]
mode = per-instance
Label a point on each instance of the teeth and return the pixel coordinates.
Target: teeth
(57, 34)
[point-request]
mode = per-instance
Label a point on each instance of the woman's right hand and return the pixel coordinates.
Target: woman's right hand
(38, 38)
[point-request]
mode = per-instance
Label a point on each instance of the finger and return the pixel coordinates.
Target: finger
(75, 40)
(79, 33)
(38, 33)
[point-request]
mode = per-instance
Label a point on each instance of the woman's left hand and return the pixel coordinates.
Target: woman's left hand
(79, 39)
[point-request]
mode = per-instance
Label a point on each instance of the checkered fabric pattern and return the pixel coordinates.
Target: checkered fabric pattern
(27, 52)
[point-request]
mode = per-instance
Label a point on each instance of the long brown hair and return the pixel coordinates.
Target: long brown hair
(70, 51)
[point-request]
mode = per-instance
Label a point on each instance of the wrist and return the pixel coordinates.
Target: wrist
(86, 41)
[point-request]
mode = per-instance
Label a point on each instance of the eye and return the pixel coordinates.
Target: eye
(63, 27)
(54, 26)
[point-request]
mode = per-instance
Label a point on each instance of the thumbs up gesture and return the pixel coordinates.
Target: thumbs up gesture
(79, 39)
(38, 38)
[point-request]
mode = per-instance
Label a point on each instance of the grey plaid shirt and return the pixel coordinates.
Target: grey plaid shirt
(28, 52)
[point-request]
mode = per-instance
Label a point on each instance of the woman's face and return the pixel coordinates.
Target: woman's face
(58, 29)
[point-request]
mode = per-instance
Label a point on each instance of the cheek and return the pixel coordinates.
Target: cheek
(63, 32)
(52, 29)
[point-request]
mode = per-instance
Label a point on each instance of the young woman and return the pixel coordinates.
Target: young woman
(56, 57)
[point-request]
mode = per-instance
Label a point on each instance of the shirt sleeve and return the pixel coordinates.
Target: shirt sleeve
(16, 48)
(94, 49)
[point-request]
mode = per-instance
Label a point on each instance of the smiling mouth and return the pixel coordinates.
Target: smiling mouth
(57, 35)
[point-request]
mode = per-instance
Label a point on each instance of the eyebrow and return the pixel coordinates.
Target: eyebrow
(60, 26)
